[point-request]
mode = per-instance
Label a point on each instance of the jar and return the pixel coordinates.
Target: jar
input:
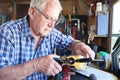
(99, 6)
(102, 56)
(105, 7)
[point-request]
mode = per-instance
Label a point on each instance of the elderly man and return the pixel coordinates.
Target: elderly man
(27, 44)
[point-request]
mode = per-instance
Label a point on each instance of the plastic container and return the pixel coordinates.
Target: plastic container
(105, 6)
(102, 56)
(99, 6)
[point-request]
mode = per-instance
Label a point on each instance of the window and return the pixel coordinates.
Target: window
(115, 23)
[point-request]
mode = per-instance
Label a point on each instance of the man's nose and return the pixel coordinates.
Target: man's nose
(51, 24)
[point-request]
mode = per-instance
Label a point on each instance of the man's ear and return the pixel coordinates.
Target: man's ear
(31, 11)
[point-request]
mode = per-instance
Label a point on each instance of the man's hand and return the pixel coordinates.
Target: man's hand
(48, 65)
(84, 50)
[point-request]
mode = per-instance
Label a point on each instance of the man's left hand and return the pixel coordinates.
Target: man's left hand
(84, 50)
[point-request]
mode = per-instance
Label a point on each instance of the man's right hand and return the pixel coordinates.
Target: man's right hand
(48, 65)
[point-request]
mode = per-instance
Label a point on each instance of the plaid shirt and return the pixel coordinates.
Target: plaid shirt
(17, 45)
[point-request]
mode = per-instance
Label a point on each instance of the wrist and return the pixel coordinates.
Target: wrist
(76, 43)
(35, 63)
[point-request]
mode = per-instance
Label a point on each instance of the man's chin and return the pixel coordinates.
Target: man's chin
(45, 34)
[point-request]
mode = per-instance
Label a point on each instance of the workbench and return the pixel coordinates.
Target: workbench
(100, 74)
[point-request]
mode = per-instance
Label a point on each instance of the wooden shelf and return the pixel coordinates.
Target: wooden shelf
(100, 41)
(100, 36)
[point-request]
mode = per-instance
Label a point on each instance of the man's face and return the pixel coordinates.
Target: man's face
(45, 20)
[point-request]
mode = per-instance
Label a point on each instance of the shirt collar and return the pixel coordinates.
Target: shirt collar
(26, 28)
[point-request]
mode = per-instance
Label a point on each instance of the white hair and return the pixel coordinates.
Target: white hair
(41, 4)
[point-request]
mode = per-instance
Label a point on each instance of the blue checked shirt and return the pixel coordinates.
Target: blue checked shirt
(17, 45)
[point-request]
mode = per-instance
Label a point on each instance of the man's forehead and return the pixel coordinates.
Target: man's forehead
(52, 11)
